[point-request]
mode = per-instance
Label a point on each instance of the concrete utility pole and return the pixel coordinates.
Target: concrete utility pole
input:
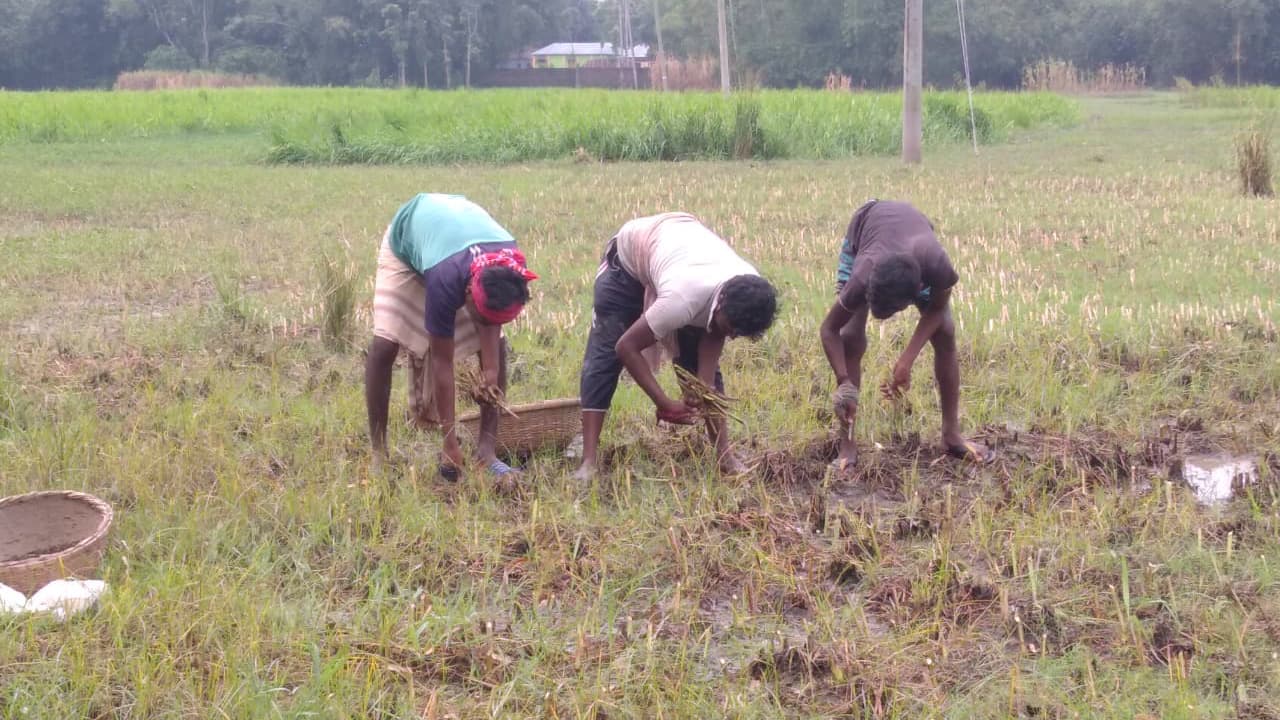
(662, 54)
(617, 51)
(724, 49)
(912, 79)
(630, 45)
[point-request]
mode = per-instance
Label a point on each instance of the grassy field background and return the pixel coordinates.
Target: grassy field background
(160, 308)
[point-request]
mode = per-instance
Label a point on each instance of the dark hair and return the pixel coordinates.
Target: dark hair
(894, 282)
(750, 305)
(503, 287)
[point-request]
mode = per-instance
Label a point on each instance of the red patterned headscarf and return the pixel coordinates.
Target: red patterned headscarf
(507, 258)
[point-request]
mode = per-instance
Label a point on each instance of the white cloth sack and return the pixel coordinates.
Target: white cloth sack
(11, 601)
(60, 598)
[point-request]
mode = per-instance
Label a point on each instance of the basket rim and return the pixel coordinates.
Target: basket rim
(557, 404)
(105, 517)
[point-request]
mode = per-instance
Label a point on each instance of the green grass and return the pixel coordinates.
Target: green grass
(162, 309)
(1256, 97)
(402, 127)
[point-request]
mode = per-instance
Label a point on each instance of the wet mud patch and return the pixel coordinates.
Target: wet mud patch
(941, 590)
(666, 451)
(805, 464)
(1171, 645)
(114, 383)
(554, 563)
(886, 542)
(1041, 629)
(482, 654)
(1061, 463)
(792, 663)
(738, 637)
(1180, 450)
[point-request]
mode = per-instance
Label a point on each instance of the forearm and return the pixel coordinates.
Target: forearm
(925, 328)
(490, 354)
(834, 350)
(710, 347)
(832, 345)
(633, 360)
(443, 391)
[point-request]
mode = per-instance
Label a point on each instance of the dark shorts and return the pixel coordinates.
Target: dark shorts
(618, 302)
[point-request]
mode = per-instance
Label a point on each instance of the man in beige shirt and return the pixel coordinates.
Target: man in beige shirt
(702, 294)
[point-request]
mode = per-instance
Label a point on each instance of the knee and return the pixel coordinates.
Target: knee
(854, 340)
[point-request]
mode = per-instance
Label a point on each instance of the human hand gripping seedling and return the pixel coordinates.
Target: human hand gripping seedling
(702, 400)
(896, 386)
(484, 391)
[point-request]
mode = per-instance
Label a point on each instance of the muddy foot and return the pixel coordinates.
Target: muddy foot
(585, 473)
(971, 451)
(732, 465)
(509, 484)
(844, 468)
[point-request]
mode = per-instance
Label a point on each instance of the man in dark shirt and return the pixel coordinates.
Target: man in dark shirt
(890, 259)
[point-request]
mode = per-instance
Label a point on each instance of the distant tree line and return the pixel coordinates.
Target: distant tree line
(786, 43)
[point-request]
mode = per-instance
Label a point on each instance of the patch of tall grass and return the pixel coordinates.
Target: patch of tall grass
(339, 289)
(1062, 76)
(13, 406)
(346, 126)
(1261, 97)
(640, 126)
(1253, 162)
(173, 80)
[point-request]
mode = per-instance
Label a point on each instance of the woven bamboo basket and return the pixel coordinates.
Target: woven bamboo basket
(540, 425)
(45, 536)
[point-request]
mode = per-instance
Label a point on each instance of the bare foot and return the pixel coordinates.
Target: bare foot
(957, 447)
(848, 456)
(585, 473)
(509, 484)
(388, 463)
(731, 465)
(844, 467)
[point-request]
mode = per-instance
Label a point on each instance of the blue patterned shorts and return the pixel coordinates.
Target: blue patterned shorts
(844, 268)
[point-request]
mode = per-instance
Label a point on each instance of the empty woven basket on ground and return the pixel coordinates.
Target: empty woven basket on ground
(45, 536)
(546, 424)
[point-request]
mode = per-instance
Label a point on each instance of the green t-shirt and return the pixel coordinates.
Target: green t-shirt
(433, 226)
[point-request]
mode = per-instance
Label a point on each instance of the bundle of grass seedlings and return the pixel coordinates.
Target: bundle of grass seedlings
(471, 381)
(709, 403)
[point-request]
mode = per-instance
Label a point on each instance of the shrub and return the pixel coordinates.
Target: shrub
(168, 57)
(1253, 162)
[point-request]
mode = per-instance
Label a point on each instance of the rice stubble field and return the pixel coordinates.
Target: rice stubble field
(163, 304)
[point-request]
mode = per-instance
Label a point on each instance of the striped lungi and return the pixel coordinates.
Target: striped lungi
(399, 315)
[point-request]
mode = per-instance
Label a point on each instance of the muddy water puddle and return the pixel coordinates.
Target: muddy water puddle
(1215, 478)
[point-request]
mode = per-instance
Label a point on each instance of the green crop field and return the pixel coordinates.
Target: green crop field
(164, 295)
(1254, 97)
(307, 125)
